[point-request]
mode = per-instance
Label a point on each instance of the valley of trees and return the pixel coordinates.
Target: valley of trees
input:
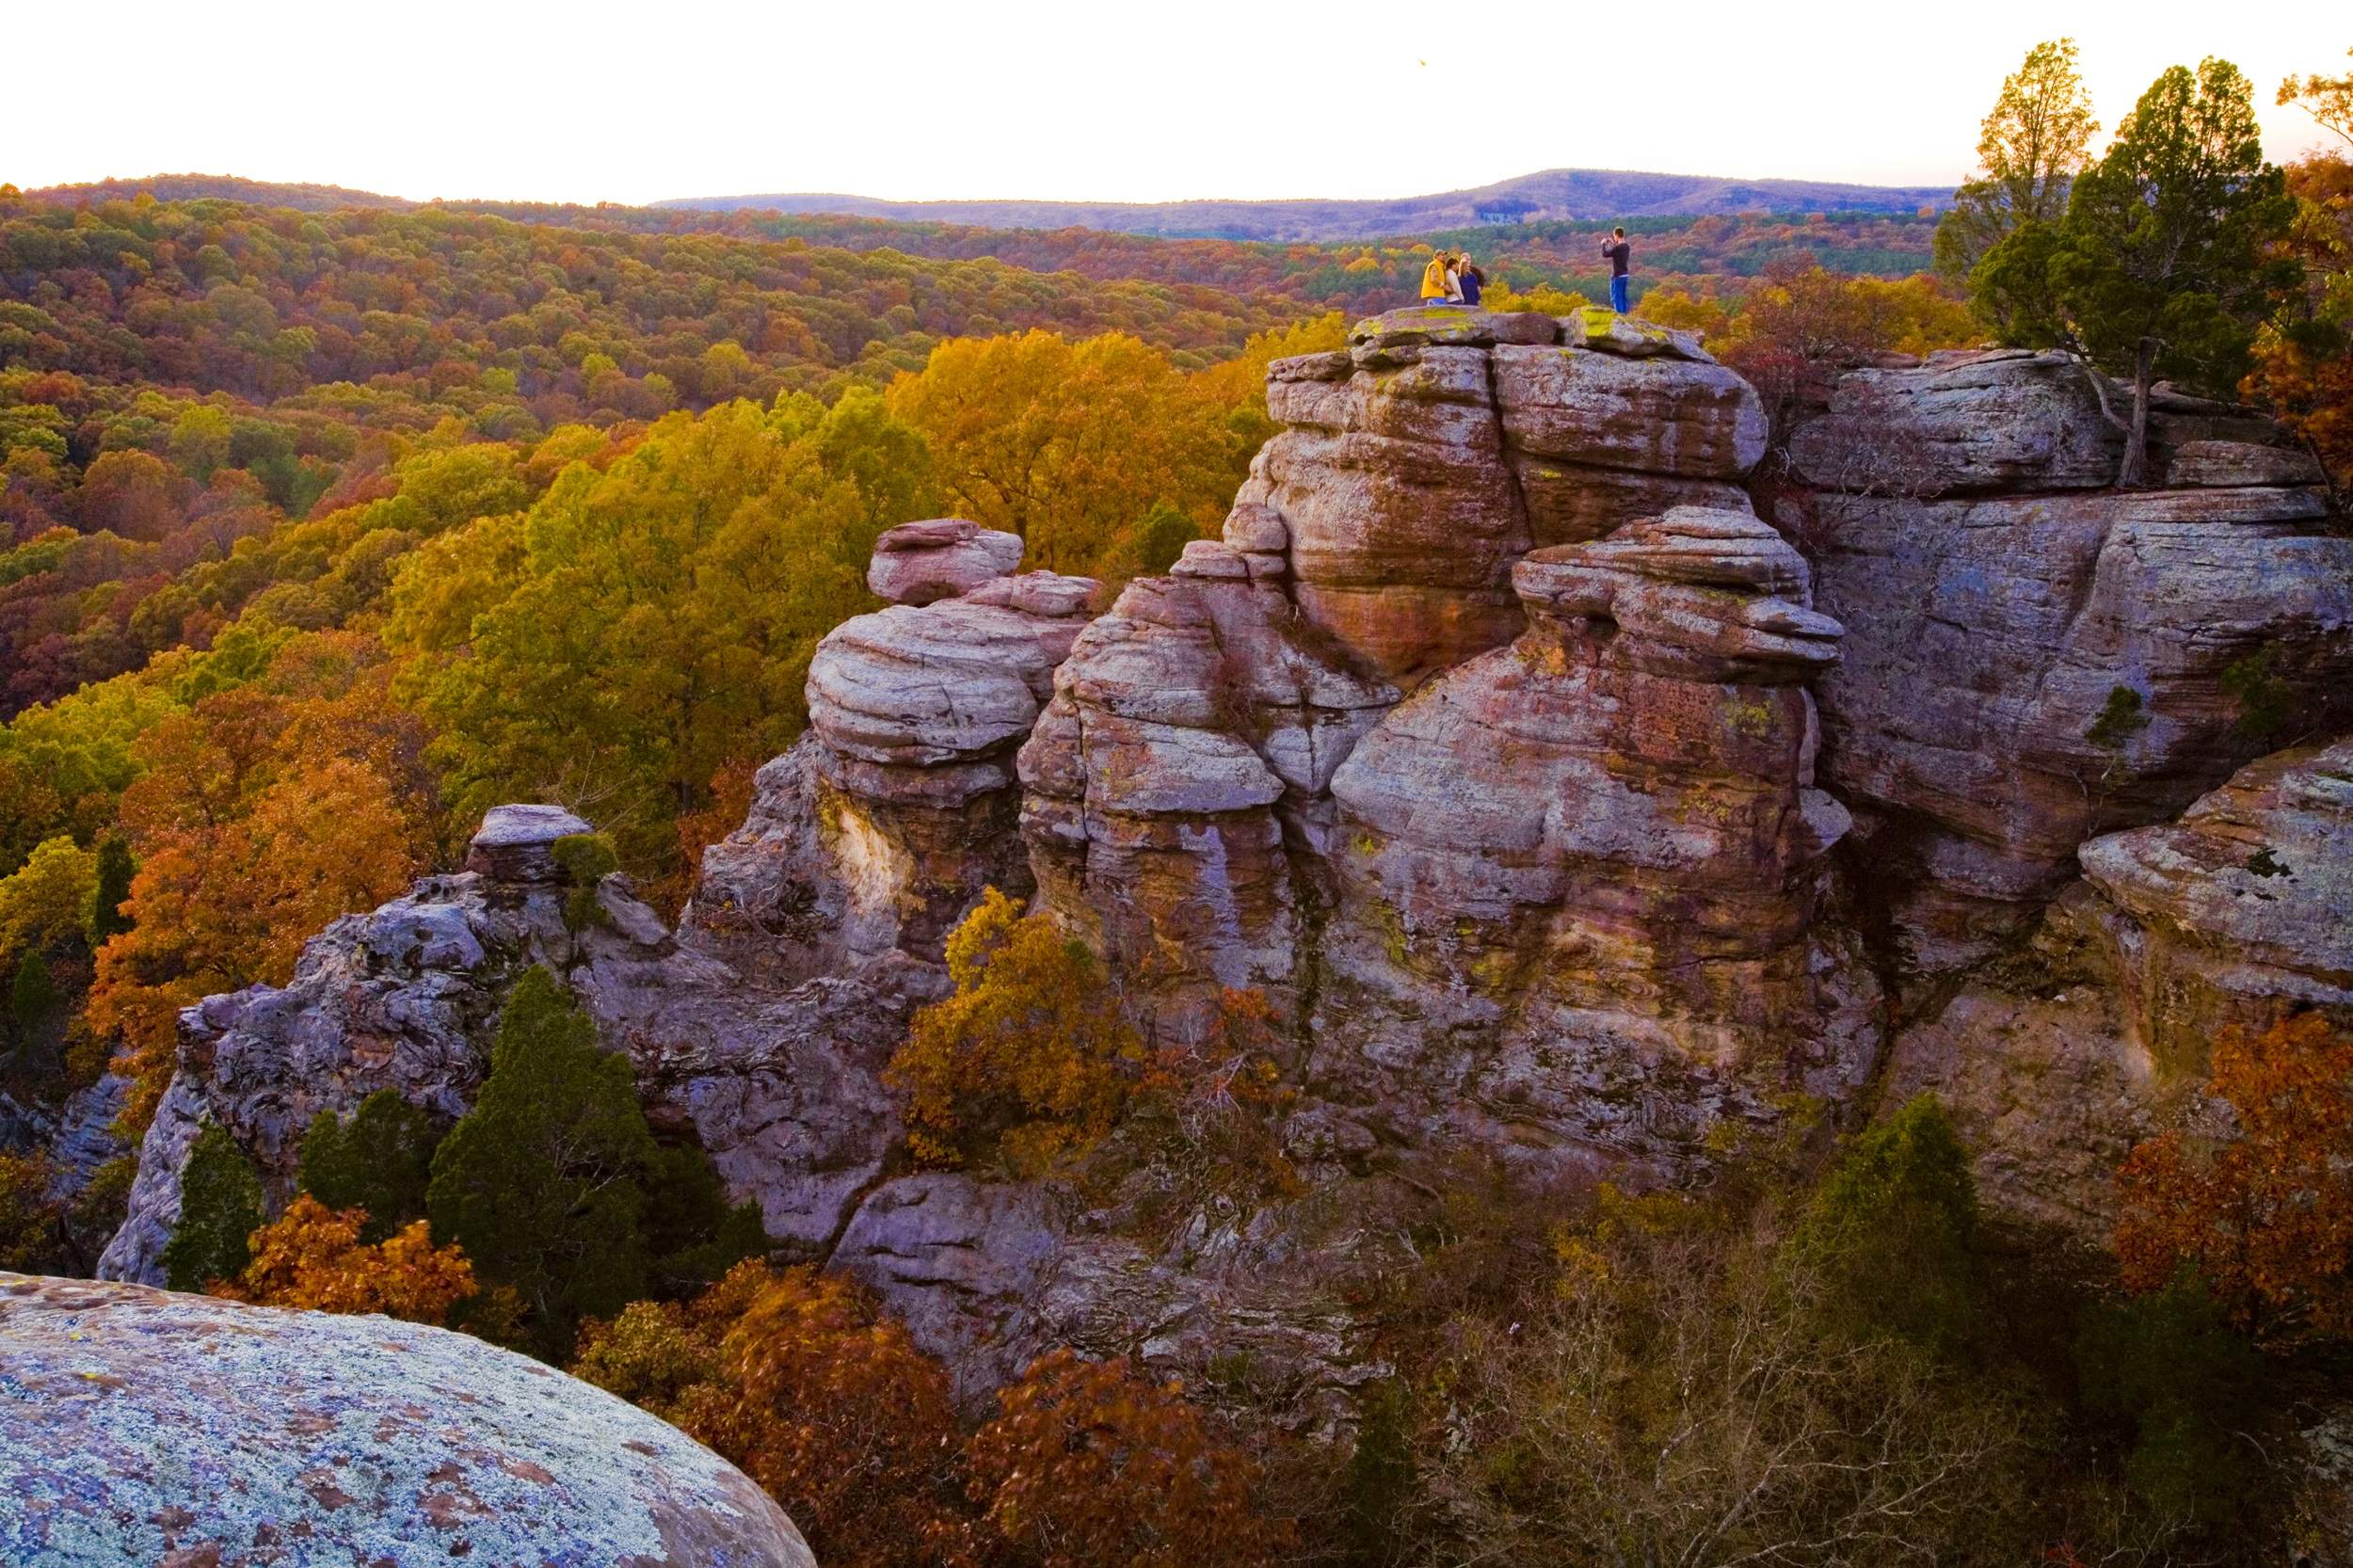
(325, 527)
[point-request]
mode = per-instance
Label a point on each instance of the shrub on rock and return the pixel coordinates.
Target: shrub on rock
(220, 1206)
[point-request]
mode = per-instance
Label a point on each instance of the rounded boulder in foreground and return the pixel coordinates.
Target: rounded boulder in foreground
(141, 1426)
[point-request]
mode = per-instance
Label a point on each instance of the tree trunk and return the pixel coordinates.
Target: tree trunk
(2136, 470)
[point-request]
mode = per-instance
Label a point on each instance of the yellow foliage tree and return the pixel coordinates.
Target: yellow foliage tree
(1030, 1058)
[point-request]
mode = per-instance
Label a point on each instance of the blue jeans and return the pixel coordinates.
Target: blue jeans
(1617, 293)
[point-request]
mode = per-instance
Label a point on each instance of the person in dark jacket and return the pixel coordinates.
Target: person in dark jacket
(1470, 278)
(1620, 254)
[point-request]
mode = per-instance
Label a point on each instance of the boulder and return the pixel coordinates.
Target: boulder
(146, 1427)
(918, 563)
(517, 844)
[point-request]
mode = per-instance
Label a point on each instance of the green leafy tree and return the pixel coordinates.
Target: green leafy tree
(380, 1161)
(2167, 1371)
(2029, 151)
(2161, 266)
(220, 1209)
(35, 1006)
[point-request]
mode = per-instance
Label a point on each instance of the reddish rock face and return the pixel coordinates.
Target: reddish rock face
(1579, 876)
(918, 562)
(1999, 602)
(1417, 467)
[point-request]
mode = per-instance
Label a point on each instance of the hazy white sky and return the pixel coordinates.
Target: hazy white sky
(586, 101)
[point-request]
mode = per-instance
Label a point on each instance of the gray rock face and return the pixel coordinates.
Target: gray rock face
(151, 1428)
(517, 844)
(917, 562)
(1998, 604)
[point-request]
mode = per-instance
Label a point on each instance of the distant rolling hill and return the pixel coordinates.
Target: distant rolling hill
(225, 188)
(1556, 193)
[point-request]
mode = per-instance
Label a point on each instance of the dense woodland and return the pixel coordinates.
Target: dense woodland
(325, 527)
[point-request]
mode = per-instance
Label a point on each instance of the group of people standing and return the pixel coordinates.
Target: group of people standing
(1451, 279)
(1454, 278)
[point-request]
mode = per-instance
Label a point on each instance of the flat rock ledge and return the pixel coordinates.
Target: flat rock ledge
(138, 1426)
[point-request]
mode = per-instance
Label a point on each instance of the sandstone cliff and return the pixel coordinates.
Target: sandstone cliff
(1571, 815)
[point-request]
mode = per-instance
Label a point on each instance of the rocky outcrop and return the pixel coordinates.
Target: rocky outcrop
(880, 829)
(1579, 876)
(144, 1427)
(2096, 1033)
(2239, 911)
(2033, 659)
(917, 562)
(1192, 740)
(1417, 467)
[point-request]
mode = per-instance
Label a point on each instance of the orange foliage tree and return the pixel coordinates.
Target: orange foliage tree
(2264, 1218)
(1030, 1058)
(263, 813)
(1089, 1464)
(312, 1256)
(794, 1377)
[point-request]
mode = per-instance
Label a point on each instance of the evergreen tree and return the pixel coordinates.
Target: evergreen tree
(553, 1185)
(2029, 151)
(220, 1209)
(380, 1161)
(1892, 1233)
(34, 1002)
(115, 869)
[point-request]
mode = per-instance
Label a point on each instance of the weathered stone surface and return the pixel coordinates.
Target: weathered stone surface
(1579, 876)
(1989, 632)
(1409, 482)
(1655, 415)
(917, 562)
(1187, 723)
(144, 1427)
(880, 829)
(1599, 328)
(516, 843)
(2238, 912)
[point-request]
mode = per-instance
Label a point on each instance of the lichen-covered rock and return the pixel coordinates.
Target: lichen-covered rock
(1579, 876)
(150, 1428)
(2023, 671)
(1417, 467)
(880, 829)
(1188, 727)
(917, 562)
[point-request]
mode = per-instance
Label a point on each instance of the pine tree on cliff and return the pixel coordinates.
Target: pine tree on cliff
(380, 1161)
(114, 870)
(221, 1207)
(553, 1186)
(2162, 265)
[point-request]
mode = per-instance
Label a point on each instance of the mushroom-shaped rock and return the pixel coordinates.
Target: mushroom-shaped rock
(147, 1426)
(517, 844)
(918, 562)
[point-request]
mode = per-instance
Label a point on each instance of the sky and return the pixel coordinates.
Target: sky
(1115, 101)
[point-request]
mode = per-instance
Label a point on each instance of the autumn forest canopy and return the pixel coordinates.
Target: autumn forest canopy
(327, 525)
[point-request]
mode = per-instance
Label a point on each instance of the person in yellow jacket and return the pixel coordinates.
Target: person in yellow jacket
(1436, 285)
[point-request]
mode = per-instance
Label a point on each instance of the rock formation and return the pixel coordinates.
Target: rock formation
(1444, 444)
(143, 1427)
(2032, 660)
(1579, 876)
(880, 829)
(1485, 743)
